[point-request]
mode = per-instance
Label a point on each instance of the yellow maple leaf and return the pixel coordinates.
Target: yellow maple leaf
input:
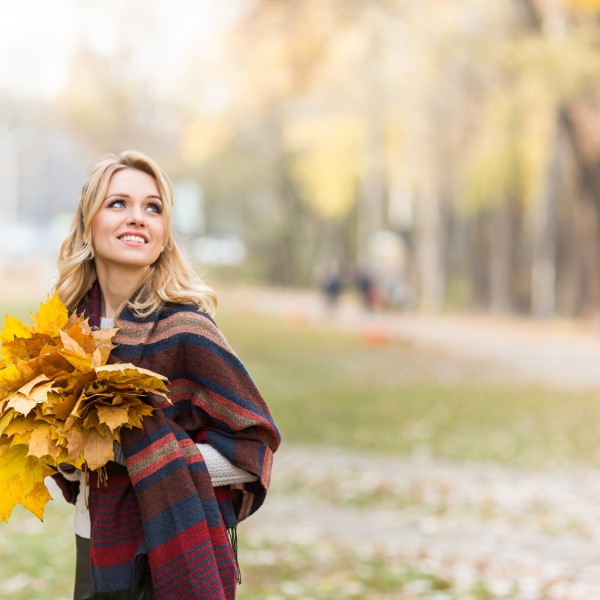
(97, 447)
(113, 416)
(21, 404)
(126, 367)
(18, 425)
(31, 394)
(40, 441)
(71, 344)
(10, 378)
(20, 479)
(103, 337)
(13, 351)
(35, 502)
(62, 406)
(5, 420)
(73, 438)
(13, 328)
(136, 413)
(80, 362)
(52, 317)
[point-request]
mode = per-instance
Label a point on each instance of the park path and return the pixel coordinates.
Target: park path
(529, 535)
(565, 353)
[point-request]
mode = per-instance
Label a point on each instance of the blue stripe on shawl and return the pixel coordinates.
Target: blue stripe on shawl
(180, 516)
(225, 445)
(187, 338)
(111, 577)
(149, 439)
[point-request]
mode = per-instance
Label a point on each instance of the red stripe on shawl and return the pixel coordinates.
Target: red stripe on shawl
(182, 542)
(235, 409)
(200, 560)
(119, 554)
(265, 475)
(158, 462)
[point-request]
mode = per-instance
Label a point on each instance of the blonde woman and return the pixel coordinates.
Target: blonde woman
(164, 525)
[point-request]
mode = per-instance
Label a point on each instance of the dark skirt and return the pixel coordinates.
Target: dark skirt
(84, 588)
(141, 589)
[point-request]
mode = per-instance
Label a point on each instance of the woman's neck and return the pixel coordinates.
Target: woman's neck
(117, 287)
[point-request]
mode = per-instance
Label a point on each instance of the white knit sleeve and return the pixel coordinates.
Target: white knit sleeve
(221, 471)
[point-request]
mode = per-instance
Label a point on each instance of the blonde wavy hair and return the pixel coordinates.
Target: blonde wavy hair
(169, 279)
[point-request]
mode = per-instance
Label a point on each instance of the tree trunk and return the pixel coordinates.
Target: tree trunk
(429, 245)
(586, 222)
(545, 223)
(372, 194)
(500, 257)
(587, 209)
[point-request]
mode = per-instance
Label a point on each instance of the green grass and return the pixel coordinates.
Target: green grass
(37, 560)
(327, 387)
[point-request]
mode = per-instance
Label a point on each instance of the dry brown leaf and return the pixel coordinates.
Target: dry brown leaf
(97, 447)
(40, 442)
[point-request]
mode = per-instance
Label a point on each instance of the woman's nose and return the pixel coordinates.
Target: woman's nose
(136, 215)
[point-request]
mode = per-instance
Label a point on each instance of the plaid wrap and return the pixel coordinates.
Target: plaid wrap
(163, 504)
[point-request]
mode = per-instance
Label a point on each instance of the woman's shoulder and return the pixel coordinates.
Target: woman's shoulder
(186, 310)
(174, 323)
(186, 324)
(186, 318)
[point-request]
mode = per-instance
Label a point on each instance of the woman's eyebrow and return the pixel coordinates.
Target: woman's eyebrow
(128, 196)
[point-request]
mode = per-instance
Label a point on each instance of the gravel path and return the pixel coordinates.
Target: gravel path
(527, 535)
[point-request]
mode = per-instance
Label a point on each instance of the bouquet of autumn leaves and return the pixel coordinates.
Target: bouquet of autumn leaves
(60, 402)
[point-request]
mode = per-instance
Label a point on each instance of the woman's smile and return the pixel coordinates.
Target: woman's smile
(133, 239)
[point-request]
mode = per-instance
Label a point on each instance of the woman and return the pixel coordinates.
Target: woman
(163, 525)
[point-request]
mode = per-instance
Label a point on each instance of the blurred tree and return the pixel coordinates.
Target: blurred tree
(559, 57)
(313, 125)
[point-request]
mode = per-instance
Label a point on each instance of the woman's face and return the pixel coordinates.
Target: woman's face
(129, 229)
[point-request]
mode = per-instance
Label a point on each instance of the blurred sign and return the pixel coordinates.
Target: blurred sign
(188, 210)
(386, 249)
(227, 251)
(9, 176)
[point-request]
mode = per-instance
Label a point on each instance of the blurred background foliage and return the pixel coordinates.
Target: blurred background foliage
(451, 149)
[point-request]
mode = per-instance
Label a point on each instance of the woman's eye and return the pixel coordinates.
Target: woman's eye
(117, 204)
(154, 208)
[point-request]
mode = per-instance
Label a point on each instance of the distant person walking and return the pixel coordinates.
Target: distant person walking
(366, 287)
(331, 284)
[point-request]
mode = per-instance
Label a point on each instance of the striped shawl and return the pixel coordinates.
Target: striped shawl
(163, 505)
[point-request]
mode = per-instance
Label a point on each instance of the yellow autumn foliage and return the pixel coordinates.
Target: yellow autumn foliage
(60, 402)
(587, 5)
(327, 160)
